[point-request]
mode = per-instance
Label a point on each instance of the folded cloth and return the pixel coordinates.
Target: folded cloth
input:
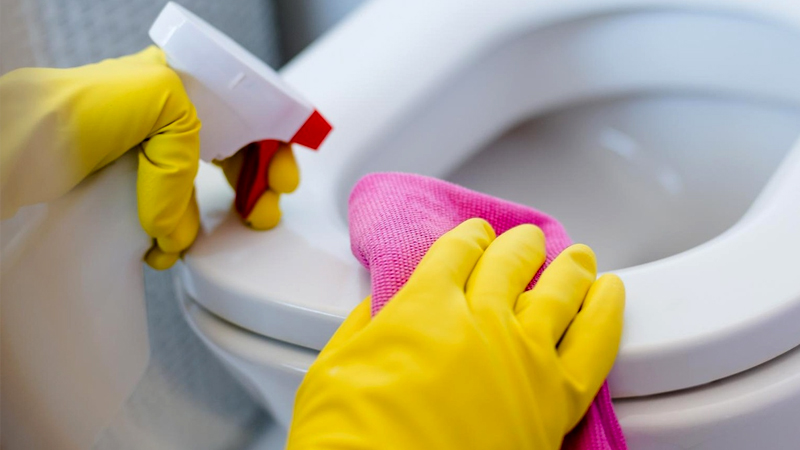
(396, 217)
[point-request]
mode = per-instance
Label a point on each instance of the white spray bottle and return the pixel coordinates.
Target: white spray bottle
(240, 100)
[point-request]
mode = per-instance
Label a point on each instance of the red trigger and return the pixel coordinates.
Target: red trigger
(254, 176)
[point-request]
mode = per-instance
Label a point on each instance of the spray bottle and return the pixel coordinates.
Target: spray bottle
(240, 101)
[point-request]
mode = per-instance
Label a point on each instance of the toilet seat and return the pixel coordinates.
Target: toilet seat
(722, 415)
(685, 323)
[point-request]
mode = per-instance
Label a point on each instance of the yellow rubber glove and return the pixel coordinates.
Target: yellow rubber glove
(58, 126)
(284, 177)
(461, 358)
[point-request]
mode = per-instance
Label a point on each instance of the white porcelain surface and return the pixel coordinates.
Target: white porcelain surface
(440, 94)
(755, 409)
(270, 370)
(639, 178)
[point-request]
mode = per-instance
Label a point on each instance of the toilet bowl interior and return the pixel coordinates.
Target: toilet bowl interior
(646, 133)
(639, 178)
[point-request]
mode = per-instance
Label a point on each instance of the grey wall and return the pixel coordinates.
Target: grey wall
(302, 21)
(65, 33)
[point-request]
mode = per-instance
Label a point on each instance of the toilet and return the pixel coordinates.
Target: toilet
(665, 134)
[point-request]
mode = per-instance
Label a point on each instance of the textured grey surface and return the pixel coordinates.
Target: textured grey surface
(17, 42)
(75, 32)
(186, 399)
(303, 21)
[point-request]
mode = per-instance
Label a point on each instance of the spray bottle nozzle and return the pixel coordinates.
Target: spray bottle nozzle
(239, 99)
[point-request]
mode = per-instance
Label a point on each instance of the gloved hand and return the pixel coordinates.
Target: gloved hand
(284, 177)
(61, 125)
(461, 358)
(58, 126)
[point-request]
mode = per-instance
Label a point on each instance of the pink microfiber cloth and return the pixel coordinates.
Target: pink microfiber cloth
(396, 217)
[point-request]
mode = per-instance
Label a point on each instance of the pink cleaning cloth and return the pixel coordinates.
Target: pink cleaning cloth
(396, 217)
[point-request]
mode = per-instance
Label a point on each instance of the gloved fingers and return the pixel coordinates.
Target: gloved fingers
(552, 304)
(590, 345)
(185, 233)
(266, 213)
(167, 168)
(167, 250)
(450, 260)
(506, 268)
(283, 172)
(159, 259)
(358, 318)
(169, 160)
(284, 175)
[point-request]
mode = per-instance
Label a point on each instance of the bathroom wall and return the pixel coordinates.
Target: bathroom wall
(17, 46)
(64, 33)
(302, 21)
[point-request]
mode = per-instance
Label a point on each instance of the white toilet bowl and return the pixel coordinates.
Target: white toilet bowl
(662, 133)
